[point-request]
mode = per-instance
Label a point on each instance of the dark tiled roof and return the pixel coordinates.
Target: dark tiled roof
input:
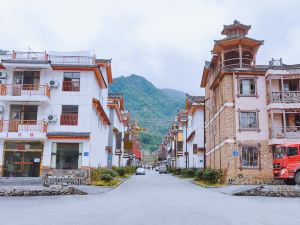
(240, 36)
(195, 99)
(115, 95)
(258, 68)
(104, 60)
(68, 134)
(285, 67)
(74, 65)
(30, 61)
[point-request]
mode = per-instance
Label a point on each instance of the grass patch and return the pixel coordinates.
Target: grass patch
(123, 177)
(204, 183)
(103, 183)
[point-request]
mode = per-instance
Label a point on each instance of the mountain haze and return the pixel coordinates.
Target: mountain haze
(154, 108)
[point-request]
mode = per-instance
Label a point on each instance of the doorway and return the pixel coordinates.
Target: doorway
(22, 159)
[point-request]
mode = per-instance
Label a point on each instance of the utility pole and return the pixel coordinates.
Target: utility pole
(186, 152)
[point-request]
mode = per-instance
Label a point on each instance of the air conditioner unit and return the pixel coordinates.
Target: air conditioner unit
(2, 74)
(53, 83)
(52, 118)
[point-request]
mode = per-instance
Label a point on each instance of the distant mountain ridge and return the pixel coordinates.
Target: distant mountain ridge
(154, 108)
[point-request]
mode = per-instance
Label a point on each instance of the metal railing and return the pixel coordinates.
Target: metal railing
(23, 125)
(24, 90)
(44, 56)
(72, 59)
(289, 132)
(284, 97)
(37, 56)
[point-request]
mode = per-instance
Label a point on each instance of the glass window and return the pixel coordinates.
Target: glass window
(248, 120)
(291, 151)
(247, 87)
(67, 155)
(71, 81)
(250, 156)
(69, 115)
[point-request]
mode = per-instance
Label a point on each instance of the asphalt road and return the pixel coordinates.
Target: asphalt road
(152, 199)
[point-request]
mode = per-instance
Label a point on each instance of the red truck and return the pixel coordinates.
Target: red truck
(286, 163)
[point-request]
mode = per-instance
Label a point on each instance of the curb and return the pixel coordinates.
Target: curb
(205, 186)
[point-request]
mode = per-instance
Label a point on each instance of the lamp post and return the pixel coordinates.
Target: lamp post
(186, 138)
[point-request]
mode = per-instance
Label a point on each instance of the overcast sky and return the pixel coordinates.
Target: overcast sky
(166, 41)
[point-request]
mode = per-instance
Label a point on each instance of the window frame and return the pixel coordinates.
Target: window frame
(242, 166)
(240, 79)
(67, 113)
(240, 112)
(70, 88)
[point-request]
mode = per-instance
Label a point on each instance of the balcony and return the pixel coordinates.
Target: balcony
(285, 97)
(24, 92)
(23, 129)
(290, 132)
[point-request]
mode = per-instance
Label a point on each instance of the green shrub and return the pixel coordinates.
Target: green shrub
(188, 172)
(121, 171)
(199, 174)
(110, 172)
(177, 171)
(212, 175)
(130, 169)
(106, 177)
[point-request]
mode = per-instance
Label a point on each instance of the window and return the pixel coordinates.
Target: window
(249, 120)
(67, 156)
(71, 81)
(292, 151)
(247, 86)
(249, 156)
(24, 112)
(69, 115)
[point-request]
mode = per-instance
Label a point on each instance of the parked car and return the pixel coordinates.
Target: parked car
(140, 171)
(157, 168)
(163, 169)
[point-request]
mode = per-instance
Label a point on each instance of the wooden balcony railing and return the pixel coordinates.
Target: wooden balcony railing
(284, 97)
(23, 125)
(69, 119)
(24, 90)
(289, 132)
(71, 86)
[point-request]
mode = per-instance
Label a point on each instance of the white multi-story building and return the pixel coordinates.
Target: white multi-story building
(119, 125)
(53, 112)
(194, 131)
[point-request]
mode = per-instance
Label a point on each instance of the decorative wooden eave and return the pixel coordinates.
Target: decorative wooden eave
(204, 77)
(220, 44)
(100, 111)
(118, 111)
(191, 136)
(106, 63)
(193, 109)
(96, 70)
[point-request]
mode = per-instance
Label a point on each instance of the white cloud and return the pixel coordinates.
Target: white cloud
(167, 41)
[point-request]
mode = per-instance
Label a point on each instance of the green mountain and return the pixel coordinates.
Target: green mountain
(154, 108)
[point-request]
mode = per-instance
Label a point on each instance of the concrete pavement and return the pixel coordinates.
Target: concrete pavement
(151, 200)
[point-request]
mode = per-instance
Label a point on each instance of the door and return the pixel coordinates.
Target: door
(22, 164)
(17, 84)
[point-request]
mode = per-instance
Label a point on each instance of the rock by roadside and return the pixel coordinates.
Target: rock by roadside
(272, 191)
(8, 191)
